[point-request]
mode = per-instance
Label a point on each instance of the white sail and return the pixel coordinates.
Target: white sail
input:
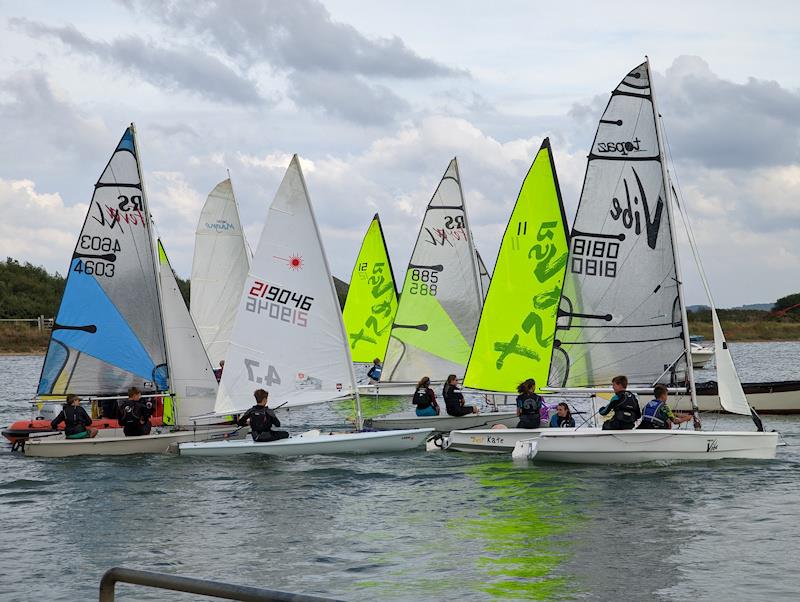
(620, 310)
(484, 275)
(440, 305)
(191, 373)
(219, 268)
(289, 336)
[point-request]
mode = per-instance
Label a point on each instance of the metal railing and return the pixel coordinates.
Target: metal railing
(190, 585)
(41, 323)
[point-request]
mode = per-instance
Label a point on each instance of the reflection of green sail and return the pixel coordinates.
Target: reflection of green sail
(371, 406)
(372, 299)
(520, 524)
(515, 333)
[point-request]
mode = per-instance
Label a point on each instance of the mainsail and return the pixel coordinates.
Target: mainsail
(515, 334)
(620, 311)
(193, 382)
(219, 268)
(371, 299)
(108, 333)
(289, 336)
(484, 275)
(440, 305)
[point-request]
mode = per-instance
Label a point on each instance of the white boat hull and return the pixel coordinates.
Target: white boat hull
(444, 424)
(314, 442)
(58, 446)
(762, 399)
(595, 446)
(701, 356)
(488, 441)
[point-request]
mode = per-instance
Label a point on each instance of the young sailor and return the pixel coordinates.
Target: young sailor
(425, 399)
(262, 419)
(135, 414)
(529, 405)
(657, 414)
(454, 400)
(76, 420)
(218, 371)
(625, 406)
(374, 373)
(563, 417)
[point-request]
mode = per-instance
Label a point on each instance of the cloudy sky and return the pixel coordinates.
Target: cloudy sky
(378, 97)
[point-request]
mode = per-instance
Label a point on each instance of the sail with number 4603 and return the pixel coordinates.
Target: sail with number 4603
(289, 337)
(440, 304)
(620, 310)
(108, 333)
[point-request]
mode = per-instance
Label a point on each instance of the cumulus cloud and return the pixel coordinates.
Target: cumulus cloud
(176, 68)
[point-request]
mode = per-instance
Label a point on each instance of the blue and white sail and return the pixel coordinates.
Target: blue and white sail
(108, 334)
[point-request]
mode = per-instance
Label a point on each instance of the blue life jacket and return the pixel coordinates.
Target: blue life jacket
(652, 414)
(375, 372)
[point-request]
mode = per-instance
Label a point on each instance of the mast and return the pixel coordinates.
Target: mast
(667, 187)
(156, 269)
(471, 242)
(359, 416)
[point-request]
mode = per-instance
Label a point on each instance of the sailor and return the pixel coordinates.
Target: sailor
(529, 405)
(454, 400)
(625, 406)
(425, 399)
(262, 419)
(76, 420)
(374, 373)
(657, 414)
(563, 417)
(218, 371)
(135, 414)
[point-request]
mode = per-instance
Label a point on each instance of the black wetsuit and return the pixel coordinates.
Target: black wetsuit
(75, 420)
(529, 405)
(262, 419)
(626, 410)
(135, 417)
(453, 400)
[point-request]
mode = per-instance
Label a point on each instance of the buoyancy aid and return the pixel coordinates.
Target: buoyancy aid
(422, 398)
(73, 420)
(375, 372)
(627, 410)
(529, 403)
(652, 414)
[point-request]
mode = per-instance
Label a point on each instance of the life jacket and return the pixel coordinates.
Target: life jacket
(627, 409)
(375, 372)
(529, 404)
(422, 398)
(72, 420)
(260, 419)
(652, 414)
(133, 412)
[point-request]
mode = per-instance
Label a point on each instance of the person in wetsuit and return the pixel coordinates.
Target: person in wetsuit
(135, 414)
(218, 371)
(563, 417)
(454, 400)
(425, 399)
(76, 421)
(625, 406)
(657, 414)
(529, 405)
(261, 420)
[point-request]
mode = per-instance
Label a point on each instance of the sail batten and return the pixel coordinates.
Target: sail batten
(440, 303)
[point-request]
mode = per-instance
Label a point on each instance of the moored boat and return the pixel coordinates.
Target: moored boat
(442, 424)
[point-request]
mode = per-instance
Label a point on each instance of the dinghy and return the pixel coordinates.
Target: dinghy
(622, 309)
(371, 302)
(122, 321)
(289, 337)
(219, 268)
(444, 423)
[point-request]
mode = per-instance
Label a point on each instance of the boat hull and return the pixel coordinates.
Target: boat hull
(780, 397)
(488, 441)
(444, 424)
(314, 443)
(595, 446)
(158, 443)
(22, 429)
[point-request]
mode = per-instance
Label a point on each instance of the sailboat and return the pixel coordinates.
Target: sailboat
(122, 323)
(515, 334)
(219, 268)
(622, 309)
(289, 337)
(371, 300)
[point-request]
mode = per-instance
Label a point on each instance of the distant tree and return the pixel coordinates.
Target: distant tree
(786, 302)
(185, 288)
(28, 291)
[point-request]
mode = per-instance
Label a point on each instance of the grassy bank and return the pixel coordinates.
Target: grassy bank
(765, 330)
(20, 338)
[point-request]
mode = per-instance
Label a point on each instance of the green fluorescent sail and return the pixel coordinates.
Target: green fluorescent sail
(372, 298)
(517, 325)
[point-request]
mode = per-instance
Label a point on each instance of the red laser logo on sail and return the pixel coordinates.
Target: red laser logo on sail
(294, 262)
